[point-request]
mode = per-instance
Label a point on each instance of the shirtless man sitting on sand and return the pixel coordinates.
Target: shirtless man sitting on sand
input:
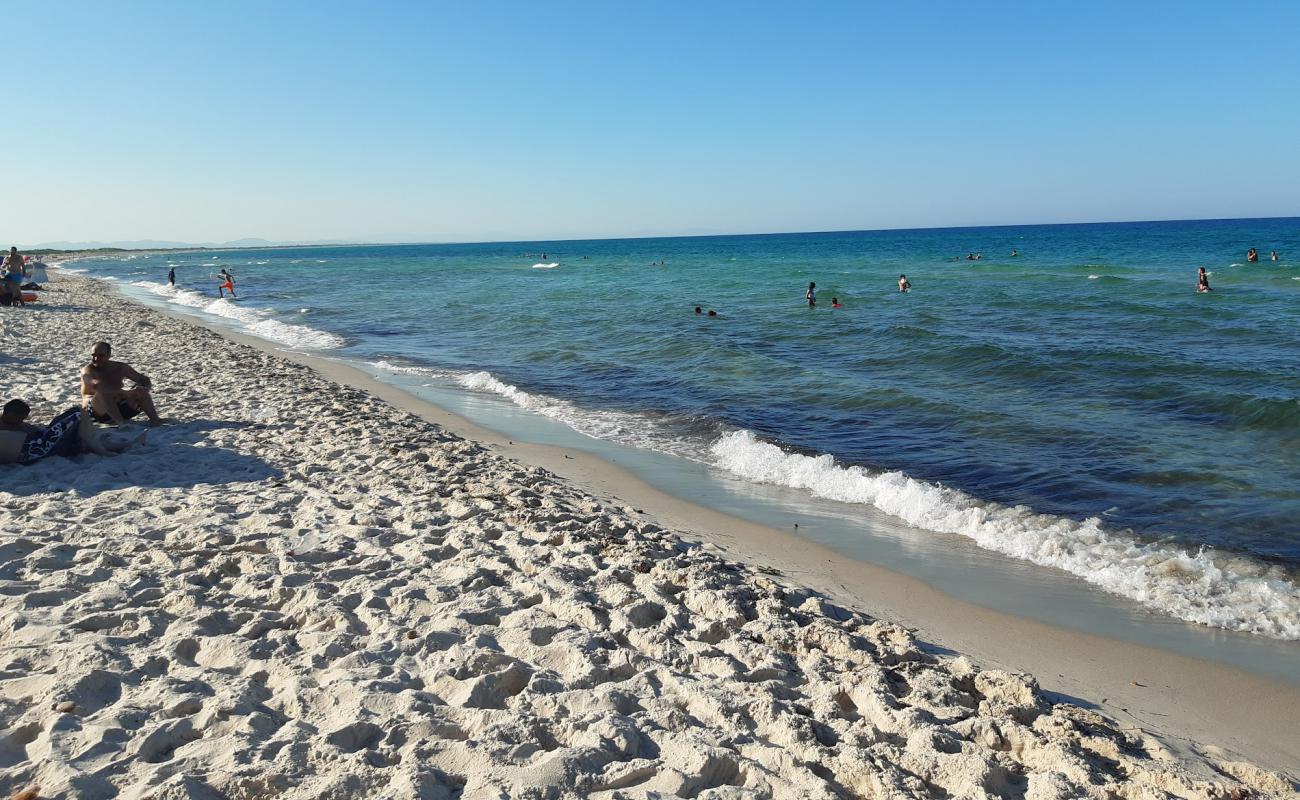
(70, 434)
(102, 391)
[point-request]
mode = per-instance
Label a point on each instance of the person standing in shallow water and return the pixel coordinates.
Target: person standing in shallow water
(1202, 281)
(904, 285)
(171, 277)
(811, 295)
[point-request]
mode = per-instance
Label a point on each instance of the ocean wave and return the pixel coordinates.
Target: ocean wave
(545, 266)
(254, 320)
(622, 427)
(1206, 587)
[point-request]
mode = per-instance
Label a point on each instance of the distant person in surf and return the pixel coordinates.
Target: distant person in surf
(811, 295)
(699, 310)
(835, 302)
(1252, 255)
(904, 285)
(1202, 281)
(1014, 253)
(227, 284)
(171, 277)
(1272, 256)
(712, 313)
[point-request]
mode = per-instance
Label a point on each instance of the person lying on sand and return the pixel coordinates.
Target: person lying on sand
(103, 394)
(69, 434)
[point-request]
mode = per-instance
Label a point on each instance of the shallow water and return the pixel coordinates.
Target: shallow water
(1077, 406)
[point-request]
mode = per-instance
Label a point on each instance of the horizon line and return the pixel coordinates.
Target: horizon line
(415, 243)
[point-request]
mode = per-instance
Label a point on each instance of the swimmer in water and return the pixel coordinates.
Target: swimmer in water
(835, 302)
(904, 284)
(713, 313)
(1202, 281)
(1272, 256)
(811, 295)
(1252, 255)
(698, 310)
(1014, 253)
(970, 256)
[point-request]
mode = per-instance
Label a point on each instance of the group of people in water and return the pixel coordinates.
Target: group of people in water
(1203, 277)
(104, 399)
(904, 286)
(1252, 255)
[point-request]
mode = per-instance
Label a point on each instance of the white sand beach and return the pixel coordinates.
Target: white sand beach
(300, 587)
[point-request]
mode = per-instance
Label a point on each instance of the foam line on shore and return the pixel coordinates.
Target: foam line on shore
(253, 320)
(1206, 587)
(635, 430)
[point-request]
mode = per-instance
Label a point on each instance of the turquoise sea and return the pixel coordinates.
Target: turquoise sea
(1078, 406)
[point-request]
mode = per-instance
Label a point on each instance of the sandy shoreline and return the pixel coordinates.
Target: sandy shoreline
(455, 621)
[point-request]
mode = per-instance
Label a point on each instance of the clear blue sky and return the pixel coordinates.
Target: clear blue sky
(473, 121)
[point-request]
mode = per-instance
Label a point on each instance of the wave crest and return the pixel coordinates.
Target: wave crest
(255, 321)
(1206, 587)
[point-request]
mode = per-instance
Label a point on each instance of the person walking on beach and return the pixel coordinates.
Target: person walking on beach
(12, 290)
(1202, 281)
(171, 277)
(103, 394)
(811, 295)
(904, 285)
(13, 262)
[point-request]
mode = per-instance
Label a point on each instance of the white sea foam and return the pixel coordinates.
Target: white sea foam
(1093, 277)
(254, 320)
(545, 266)
(637, 430)
(1206, 587)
